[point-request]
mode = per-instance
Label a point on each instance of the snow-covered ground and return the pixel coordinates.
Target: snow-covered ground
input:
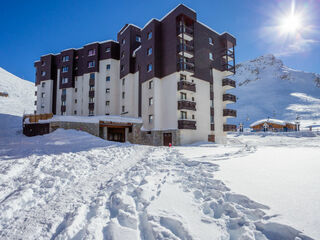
(71, 185)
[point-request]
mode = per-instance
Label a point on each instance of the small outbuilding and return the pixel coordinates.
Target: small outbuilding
(273, 125)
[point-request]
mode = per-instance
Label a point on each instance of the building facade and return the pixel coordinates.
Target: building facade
(173, 73)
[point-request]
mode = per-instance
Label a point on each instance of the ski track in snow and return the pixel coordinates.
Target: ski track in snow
(121, 192)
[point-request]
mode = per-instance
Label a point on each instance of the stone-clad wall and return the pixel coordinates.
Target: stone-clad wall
(154, 138)
(92, 128)
(136, 136)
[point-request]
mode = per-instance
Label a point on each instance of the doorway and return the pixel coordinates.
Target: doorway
(167, 139)
(116, 134)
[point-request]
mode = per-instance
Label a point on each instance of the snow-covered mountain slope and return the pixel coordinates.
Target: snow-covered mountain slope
(267, 88)
(20, 94)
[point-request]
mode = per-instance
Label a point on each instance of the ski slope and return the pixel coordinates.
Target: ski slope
(267, 88)
(20, 94)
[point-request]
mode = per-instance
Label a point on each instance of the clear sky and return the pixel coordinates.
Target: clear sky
(29, 29)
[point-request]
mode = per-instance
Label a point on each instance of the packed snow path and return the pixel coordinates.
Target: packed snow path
(70, 185)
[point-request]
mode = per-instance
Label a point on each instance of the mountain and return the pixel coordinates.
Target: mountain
(16, 95)
(267, 88)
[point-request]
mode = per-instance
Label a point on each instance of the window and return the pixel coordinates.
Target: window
(43, 95)
(35, 93)
(123, 95)
(122, 54)
(92, 76)
(91, 100)
(183, 77)
(91, 112)
(150, 101)
(192, 99)
(108, 67)
(211, 119)
(43, 73)
(76, 90)
(75, 112)
(35, 102)
(91, 88)
(210, 40)
(149, 67)
(210, 56)
(91, 52)
(65, 58)
(64, 92)
(211, 87)
(151, 84)
(149, 35)
(121, 68)
(43, 84)
(65, 69)
(64, 113)
(108, 78)
(123, 109)
(64, 80)
(138, 38)
(43, 63)
(63, 103)
(149, 51)
(75, 101)
(108, 90)
(91, 64)
(123, 81)
(192, 116)
(211, 103)
(107, 103)
(183, 96)
(150, 118)
(183, 115)
(42, 106)
(123, 41)
(108, 49)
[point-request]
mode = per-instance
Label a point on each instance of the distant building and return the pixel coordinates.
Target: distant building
(273, 125)
(172, 73)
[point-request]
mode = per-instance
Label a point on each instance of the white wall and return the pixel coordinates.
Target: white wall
(131, 100)
(219, 121)
(46, 101)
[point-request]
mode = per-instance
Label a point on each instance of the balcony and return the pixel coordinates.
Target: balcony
(227, 83)
(91, 106)
(229, 113)
(63, 109)
(211, 111)
(91, 94)
(212, 126)
(187, 124)
(91, 81)
(185, 32)
(187, 105)
(229, 98)
(185, 50)
(229, 68)
(63, 97)
(229, 128)
(227, 54)
(185, 66)
(186, 85)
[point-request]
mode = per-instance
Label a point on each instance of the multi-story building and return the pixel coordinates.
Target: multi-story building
(173, 73)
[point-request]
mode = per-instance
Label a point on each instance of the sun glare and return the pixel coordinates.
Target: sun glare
(291, 24)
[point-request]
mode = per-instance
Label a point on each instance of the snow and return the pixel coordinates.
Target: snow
(21, 94)
(276, 91)
(283, 173)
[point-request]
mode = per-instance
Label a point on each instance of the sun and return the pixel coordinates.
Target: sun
(291, 24)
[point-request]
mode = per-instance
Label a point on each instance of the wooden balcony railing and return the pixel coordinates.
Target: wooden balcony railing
(229, 113)
(91, 93)
(186, 124)
(229, 128)
(229, 97)
(228, 82)
(188, 105)
(186, 85)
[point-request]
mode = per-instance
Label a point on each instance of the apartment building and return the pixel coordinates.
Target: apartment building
(172, 73)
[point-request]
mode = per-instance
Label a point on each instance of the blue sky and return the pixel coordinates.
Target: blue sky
(30, 29)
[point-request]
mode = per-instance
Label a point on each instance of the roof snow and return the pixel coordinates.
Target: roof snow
(270, 120)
